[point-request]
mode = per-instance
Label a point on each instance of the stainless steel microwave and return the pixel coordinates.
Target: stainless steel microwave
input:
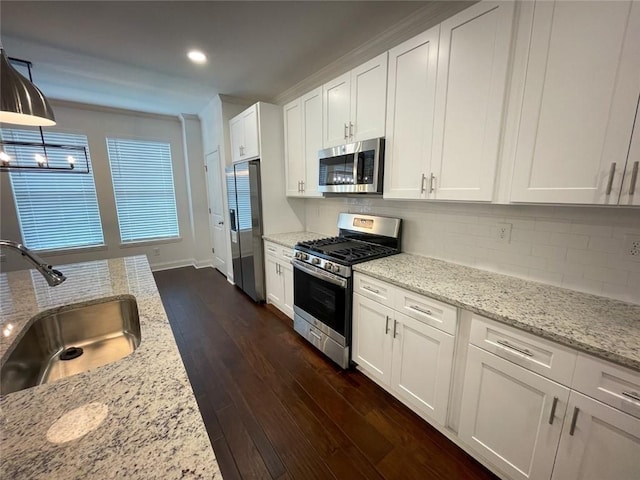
(353, 168)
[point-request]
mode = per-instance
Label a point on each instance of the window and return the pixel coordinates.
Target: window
(56, 210)
(142, 176)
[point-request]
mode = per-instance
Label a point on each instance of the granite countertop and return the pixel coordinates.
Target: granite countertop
(290, 239)
(601, 326)
(145, 419)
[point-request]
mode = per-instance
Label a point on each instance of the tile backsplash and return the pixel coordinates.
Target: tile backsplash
(581, 248)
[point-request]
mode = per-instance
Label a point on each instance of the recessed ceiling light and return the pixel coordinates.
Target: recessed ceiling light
(197, 56)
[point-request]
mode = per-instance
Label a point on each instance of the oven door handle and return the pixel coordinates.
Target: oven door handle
(320, 274)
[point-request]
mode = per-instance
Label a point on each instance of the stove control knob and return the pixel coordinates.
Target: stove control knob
(328, 266)
(315, 261)
(336, 268)
(298, 255)
(304, 256)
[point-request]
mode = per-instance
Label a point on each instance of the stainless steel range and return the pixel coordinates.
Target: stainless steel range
(322, 279)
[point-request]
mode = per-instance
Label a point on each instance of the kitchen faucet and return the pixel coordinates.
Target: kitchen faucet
(52, 276)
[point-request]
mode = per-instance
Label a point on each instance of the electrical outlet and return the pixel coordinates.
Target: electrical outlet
(502, 232)
(632, 246)
(156, 252)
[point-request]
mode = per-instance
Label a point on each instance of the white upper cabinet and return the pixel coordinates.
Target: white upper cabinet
(245, 144)
(630, 194)
(472, 75)
(410, 105)
(580, 95)
(302, 140)
(446, 92)
(354, 104)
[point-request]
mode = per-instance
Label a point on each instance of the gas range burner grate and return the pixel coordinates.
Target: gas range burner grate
(347, 250)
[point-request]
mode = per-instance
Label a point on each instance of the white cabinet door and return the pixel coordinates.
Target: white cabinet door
(506, 412)
(472, 76)
(580, 95)
(237, 138)
(311, 105)
(422, 362)
(597, 442)
(372, 338)
(275, 288)
(251, 146)
(336, 97)
(630, 194)
(368, 99)
(410, 105)
(286, 274)
(293, 153)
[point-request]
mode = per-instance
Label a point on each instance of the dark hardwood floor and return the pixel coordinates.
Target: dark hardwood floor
(274, 408)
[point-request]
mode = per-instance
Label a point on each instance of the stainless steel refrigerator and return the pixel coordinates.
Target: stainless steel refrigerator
(245, 220)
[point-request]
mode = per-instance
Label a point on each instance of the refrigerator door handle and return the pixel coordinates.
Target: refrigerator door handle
(232, 219)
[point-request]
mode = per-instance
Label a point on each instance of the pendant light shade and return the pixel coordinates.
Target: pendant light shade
(22, 102)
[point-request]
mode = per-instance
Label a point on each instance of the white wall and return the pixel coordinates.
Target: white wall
(580, 248)
(98, 123)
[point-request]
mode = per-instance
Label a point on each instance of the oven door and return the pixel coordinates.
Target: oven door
(322, 299)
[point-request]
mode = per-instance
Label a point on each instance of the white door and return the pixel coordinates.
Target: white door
(336, 96)
(472, 77)
(236, 131)
(422, 362)
(275, 292)
(286, 274)
(311, 105)
(251, 146)
(293, 153)
(216, 211)
(580, 96)
(410, 106)
(368, 99)
(372, 337)
(630, 194)
(598, 442)
(505, 415)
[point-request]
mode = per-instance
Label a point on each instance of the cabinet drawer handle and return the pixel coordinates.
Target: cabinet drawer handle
(612, 172)
(373, 290)
(523, 351)
(346, 131)
(632, 395)
(395, 324)
(553, 410)
(350, 129)
(386, 326)
(634, 178)
(421, 310)
(574, 420)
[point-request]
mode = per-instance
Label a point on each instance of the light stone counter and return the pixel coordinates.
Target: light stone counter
(290, 239)
(601, 326)
(145, 419)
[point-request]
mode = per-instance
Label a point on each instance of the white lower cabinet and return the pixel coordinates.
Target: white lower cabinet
(511, 416)
(598, 442)
(279, 277)
(411, 359)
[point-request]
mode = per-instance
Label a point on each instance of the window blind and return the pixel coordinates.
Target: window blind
(142, 176)
(55, 210)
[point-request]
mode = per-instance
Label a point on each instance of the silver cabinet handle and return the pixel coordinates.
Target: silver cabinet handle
(523, 351)
(395, 325)
(346, 131)
(432, 180)
(421, 310)
(632, 395)
(278, 268)
(298, 186)
(302, 186)
(612, 172)
(634, 178)
(553, 410)
(350, 129)
(422, 183)
(574, 420)
(220, 222)
(386, 326)
(373, 290)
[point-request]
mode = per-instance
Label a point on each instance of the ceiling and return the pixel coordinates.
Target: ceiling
(132, 54)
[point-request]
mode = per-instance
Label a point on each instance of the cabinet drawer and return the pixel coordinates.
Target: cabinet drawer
(271, 249)
(612, 384)
(286, 254)
(534, 353)
(373, 289)
(432, 312)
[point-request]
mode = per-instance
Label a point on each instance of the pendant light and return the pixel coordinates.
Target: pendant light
(22, 102)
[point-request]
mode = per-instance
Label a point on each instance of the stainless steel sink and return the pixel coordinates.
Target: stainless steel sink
(71, 340)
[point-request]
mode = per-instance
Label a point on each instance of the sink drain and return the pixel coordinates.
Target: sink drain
(71, 353)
